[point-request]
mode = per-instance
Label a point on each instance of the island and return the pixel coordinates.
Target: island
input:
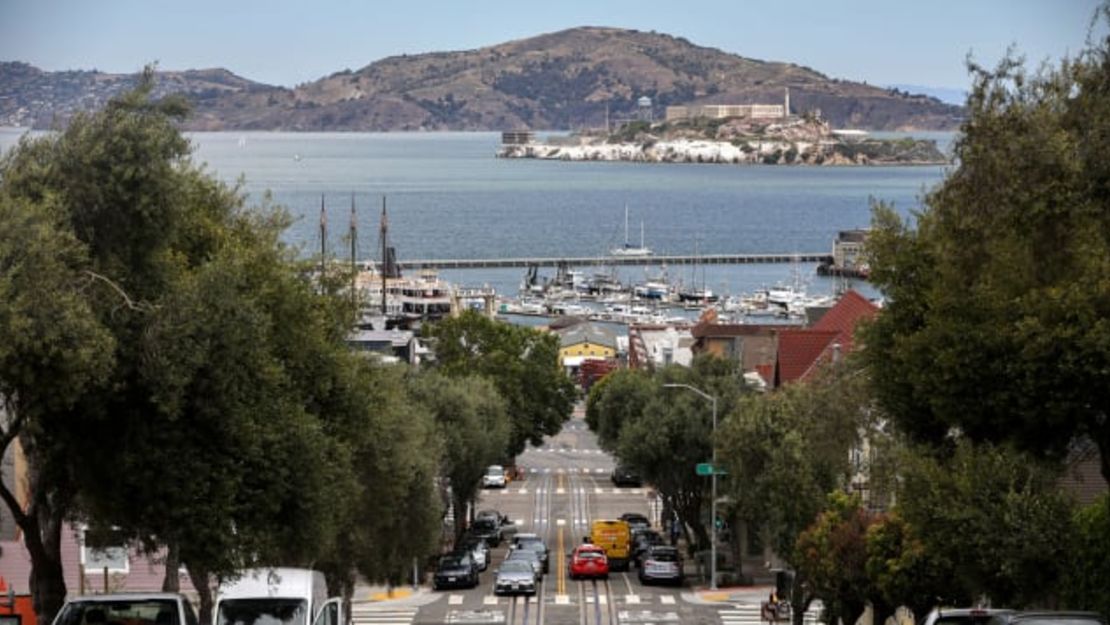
(801, 140)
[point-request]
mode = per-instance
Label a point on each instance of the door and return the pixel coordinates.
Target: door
(331, 613)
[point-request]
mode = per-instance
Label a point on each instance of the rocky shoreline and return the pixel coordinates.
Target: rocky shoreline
(869, 152)
(797, 142)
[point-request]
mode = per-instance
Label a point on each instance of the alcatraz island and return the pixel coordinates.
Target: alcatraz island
(725, 133)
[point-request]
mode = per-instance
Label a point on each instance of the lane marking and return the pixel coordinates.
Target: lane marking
(667, 600)
(455, 600)
(632, 599)
(489, 600)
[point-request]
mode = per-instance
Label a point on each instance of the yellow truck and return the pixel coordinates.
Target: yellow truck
(615, 537)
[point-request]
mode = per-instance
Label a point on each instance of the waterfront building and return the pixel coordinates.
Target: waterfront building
(585, 341)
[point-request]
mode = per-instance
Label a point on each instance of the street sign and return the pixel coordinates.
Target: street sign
(707, 468)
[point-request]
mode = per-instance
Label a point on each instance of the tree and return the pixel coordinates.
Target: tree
(521, 362)
(615, 400)
(997, 322)
(990, 522)
(831, 555)
(787, 451)
(1087, 575)
(898, 565)
(52, 349)
(473, 424)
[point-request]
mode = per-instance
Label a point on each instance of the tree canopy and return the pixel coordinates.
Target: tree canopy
(998, 319)
(521, 362)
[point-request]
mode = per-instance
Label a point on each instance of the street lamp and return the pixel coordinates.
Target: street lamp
(713, 485)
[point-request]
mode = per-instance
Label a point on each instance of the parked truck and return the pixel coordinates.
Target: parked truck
(615, 537)
(277, 596)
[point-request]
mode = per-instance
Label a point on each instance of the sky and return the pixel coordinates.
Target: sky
(882, 42)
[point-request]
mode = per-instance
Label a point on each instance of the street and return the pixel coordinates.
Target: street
(567, 486)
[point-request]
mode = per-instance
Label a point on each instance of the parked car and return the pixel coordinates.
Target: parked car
(661, 564)
(457, 570)
(477, 548)
(494, 477)
(487, 530)
(515, 576)
(535, 543)
(625, 476)
(1046, 617)
(150, 608)
(642, 540)
(962, 616)
(636, 521)
(588, 561)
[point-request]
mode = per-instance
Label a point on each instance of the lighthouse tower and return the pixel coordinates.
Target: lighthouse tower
(786, 104)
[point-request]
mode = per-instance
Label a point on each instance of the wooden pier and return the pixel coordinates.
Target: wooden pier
(596, 261)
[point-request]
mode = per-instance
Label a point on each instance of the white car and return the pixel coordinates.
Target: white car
(494, 477)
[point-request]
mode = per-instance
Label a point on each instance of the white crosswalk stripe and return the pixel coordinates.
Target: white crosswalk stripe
(381, 615)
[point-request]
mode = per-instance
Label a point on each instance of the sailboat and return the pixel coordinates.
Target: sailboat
(694, 294)
(628, 249)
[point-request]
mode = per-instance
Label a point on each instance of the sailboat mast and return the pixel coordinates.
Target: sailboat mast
(384, 230)
(323, 235)
(354, 252)
(626, 224)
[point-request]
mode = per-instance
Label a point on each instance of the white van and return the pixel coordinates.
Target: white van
(277, 596)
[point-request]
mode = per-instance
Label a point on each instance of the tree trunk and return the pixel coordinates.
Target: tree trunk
(460, 514)
(42, 535)
(201, 582)
(1102, 440)
(171, 582)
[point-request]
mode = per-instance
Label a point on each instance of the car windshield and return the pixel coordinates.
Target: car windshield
(494, 471)
(271, 611)
(141, 612)
(450, 562)
(664, 556)
(590, 554)
(484, 525)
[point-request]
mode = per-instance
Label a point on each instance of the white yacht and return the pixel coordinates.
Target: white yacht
(628, 249)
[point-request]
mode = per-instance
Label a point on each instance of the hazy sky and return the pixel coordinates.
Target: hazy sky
(922, 42)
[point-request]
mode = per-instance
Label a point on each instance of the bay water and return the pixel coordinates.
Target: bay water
(449, 197)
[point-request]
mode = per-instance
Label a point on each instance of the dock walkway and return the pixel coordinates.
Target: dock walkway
(588, 261)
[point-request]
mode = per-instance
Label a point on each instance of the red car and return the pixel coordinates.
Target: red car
(588, 561)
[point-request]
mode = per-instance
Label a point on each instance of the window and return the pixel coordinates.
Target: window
(104, 549)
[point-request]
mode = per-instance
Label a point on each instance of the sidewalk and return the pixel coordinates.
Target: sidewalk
(752, 595)
(366, 594)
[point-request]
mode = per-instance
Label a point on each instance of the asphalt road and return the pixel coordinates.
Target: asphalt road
(566, 487)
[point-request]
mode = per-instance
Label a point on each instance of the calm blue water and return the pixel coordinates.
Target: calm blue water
(448, 197)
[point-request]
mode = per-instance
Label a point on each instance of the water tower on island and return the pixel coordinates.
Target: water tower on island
(643, 109)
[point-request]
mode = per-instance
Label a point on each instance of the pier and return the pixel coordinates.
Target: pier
(637, 261)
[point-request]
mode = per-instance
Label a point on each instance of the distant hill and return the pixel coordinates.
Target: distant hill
(947, 95)
(563, 80)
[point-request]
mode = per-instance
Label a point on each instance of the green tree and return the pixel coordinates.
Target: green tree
(521, 362)
(998, 322)
(1087, 575)
(902, 571)
(474, 426)
(990, 521)
(615, 400)
(787, 451)
(52, 349)
(831, 555)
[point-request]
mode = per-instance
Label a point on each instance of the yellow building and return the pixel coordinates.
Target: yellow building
(585, 341)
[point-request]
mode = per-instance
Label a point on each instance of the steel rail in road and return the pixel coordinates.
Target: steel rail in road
(596, 261)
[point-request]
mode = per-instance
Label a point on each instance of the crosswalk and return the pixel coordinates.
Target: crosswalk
(371, 614)
(568, 599)
(750, 614)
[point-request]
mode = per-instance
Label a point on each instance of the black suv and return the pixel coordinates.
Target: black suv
(625, 476)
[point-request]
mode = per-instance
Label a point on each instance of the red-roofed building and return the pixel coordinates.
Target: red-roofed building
(800, 351)
(845, 316)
